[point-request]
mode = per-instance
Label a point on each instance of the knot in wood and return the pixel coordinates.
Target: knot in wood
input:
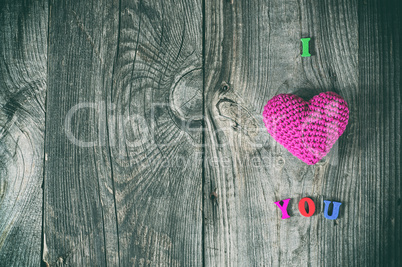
(213, 196)
(225, 87)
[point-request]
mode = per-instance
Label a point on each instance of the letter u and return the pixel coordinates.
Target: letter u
(335, 210)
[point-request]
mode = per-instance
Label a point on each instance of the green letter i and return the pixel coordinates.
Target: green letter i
(305, 42)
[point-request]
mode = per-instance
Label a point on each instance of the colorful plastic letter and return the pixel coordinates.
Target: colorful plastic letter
(311, 207)
(335, 210)
(305, 42)
(283, 208)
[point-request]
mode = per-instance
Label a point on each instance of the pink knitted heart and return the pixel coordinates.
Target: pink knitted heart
(307, 129)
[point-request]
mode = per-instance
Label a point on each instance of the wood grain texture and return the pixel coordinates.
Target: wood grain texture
(254, 47)
(157, 160)
(131, 193)
(80, 227)
(23, 70)
(380, 190)
(151, 146)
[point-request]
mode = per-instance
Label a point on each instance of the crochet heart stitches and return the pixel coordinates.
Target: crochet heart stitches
(307, 129)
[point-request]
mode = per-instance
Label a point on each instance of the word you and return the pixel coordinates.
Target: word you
(311, 208)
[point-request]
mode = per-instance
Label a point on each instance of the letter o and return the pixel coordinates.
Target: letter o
(311, 207)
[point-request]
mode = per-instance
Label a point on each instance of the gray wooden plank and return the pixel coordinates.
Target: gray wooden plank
(135, 196)
(80, 227)
(379, 202)
(157, 160)
(23, 77)
(334, 67)
(259, 55)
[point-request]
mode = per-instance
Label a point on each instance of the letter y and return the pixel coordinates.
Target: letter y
(283, 208)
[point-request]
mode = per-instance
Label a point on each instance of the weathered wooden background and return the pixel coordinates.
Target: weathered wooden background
(164, 100)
